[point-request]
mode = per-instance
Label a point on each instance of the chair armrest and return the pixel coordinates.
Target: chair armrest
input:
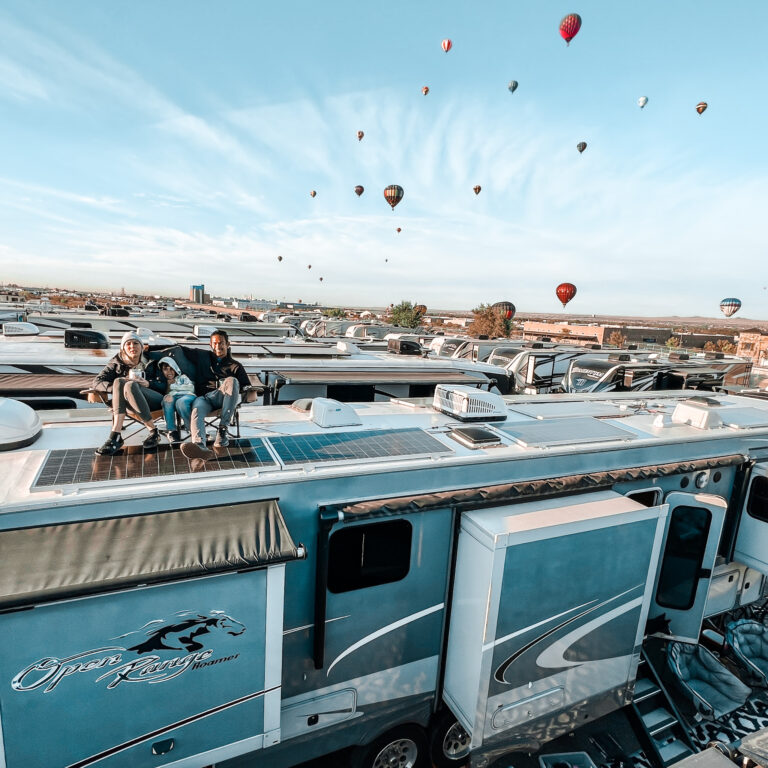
(96, 395)
(251, 393)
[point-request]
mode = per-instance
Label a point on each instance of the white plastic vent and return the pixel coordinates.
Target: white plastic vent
(326, 412)
(20, 329)
(469, 404)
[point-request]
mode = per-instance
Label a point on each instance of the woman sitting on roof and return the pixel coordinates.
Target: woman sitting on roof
(124, 376)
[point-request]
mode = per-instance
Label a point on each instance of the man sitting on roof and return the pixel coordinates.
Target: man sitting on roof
(223, 377)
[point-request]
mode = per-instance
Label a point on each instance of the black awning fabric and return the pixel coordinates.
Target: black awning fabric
(58, 561)
(383, 376)
(530, 489)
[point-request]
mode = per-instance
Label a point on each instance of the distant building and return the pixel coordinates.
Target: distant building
(197, 294)
(753, 343)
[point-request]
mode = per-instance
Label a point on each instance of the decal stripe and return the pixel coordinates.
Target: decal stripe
(383, 631)
(160, 731)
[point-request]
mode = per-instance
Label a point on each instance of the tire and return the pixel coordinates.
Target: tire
(448, 741)
(402, 747)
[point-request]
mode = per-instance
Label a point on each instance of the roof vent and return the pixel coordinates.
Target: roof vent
(620, 358)
(331, 413)
(679, 356)
(20, 425)
(535, 345)
(204, 331)
(348, 347)
(594, 346)
(469, 404)
(302, 405)
(403, 347)
(699, 412)
(85, 338)
(475, 437)
(20, 329)
(713, 355)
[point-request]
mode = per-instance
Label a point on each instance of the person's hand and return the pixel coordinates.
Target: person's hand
(143, 382)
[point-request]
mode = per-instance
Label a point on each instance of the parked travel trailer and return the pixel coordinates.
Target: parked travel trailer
(445, 580)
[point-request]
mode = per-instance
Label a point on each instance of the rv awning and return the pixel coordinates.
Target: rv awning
(57, 561)
(449, 376)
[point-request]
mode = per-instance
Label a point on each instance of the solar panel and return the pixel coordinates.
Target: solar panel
(76, 466)
(550, 432)
(346, 446)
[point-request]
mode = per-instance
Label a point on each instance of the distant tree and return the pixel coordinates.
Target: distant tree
(336, 312)
(617, 339)
(673, 342)
(405, 315)
(710, 346)
(487, 321)
(726, 347)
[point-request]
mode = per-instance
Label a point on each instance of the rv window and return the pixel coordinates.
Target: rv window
(757, 506)
(648, 498)
(363, 556)
(683, 555)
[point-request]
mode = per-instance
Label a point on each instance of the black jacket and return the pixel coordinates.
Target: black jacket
(202, 366)
(117, 368)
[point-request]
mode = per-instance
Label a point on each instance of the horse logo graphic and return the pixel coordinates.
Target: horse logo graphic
(189, 633)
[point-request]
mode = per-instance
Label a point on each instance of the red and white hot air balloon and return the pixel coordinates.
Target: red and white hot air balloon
(447, 45)
(569, 27)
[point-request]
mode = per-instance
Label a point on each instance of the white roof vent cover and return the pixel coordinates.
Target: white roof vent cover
(20, 329)
(20, 425)
(469, 404)
(699, 412)
(331, 413)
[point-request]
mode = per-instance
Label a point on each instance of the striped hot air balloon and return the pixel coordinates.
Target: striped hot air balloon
(393, 194)
(425, 90)
(505, 308)
(581, 146)
(701, 107)
(512, 86)
(360, 135)
(447, 45)
(359, 189)
(569, 27)
(730, 306)
(476, 189)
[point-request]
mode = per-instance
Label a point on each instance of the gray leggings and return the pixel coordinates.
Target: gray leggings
(129, 394)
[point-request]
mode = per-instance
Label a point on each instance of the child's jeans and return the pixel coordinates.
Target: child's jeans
(181, 404)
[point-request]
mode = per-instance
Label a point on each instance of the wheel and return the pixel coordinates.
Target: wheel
(402, 747)
(448, 742)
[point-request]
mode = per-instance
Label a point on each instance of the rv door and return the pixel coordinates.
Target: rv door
(688, 557)
(752, 539)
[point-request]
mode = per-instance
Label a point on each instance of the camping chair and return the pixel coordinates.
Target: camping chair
(749, 641)
(248, 394)
(131, 417)
(711, 688)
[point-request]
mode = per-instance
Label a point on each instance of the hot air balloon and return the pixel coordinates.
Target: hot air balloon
(309, 266)
(359, 189)
(321, 279)
(360, 135)
(425, 90)
(512, 86)
(505, 308)
(565, 292)
(398, 230)
(642, 101)
(581, 146)
(730, 306)
(420, 308)
(477, 189)
(386, 260)
(393, 194)
(312, 193)
(701, 106)
(279, 258)
(570, 26)
(447, 45)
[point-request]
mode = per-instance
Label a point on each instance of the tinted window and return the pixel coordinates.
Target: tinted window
(683, 555)
(649, 498)
(367, 555)
(757, 505)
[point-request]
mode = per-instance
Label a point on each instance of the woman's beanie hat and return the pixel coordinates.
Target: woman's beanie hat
(130, 336)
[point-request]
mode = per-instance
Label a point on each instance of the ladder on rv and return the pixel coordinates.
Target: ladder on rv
(656, 720)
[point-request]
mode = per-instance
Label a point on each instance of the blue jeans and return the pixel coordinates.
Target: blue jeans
(181, 404)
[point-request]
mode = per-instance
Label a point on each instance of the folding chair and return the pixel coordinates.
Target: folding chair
(248, 394)
(104, 397)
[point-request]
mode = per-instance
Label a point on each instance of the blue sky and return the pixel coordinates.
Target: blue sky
(152, 145)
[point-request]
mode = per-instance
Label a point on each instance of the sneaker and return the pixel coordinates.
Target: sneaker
(222, 438)
(196, 451)
(152, 440)
(174, 436)
(113, 445)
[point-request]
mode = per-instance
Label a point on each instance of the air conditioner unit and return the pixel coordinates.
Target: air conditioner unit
(469, 404)
(20, 329)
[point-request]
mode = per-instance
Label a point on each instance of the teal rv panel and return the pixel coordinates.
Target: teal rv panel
(549, 606)
(752, 540)
(147, 676)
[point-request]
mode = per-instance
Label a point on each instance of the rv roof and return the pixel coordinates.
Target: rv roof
(281, 445)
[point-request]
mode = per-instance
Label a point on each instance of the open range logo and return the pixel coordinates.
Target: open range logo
(190, 632)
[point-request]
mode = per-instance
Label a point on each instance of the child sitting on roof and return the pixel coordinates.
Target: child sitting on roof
(180, 394)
